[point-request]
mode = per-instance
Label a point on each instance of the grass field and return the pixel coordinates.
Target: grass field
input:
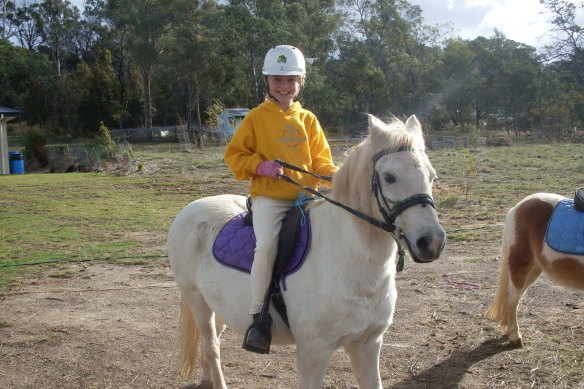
(76, 216)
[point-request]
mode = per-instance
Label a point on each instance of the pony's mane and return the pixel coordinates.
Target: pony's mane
(355, 172)
(393, 135)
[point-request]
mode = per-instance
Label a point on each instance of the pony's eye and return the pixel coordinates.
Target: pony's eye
(389, 178)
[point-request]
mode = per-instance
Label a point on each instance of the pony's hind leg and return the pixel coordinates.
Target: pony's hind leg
(209, 329)
(518, 269)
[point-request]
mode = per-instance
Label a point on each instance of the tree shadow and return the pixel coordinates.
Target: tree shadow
(449, 373)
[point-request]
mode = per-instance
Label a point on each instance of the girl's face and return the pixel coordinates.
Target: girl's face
(284, 89)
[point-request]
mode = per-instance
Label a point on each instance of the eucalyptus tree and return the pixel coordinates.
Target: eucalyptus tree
(91, 31)
(399, 45)
(569, 35)
(193, 63)
(458, 73)
(7, 19)
(27, 32)
(506, 77)
(566, 59)
(56, 20)
(146, 21)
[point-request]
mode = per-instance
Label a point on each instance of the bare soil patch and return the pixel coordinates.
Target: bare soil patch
(103, 325)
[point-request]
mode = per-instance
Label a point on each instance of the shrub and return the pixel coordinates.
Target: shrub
(35, 146)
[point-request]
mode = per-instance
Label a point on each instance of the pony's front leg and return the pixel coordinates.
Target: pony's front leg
(364, 356)
(312, 360)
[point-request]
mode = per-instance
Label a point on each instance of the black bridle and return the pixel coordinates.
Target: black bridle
(389, 209)
(391, 212)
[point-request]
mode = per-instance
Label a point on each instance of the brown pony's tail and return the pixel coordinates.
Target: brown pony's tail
(499, 309)
(190, 340)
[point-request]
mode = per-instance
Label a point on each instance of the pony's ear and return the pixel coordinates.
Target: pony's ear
(375, 125)
(413, 124)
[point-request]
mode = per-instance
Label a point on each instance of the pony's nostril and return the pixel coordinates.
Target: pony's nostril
(423, 243)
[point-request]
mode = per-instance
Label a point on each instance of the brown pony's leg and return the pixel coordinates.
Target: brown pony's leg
(530, 222)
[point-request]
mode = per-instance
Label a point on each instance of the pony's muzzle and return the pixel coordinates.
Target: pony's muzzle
(427, 247)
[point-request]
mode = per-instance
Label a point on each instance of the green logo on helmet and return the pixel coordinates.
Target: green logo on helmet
(281, 59)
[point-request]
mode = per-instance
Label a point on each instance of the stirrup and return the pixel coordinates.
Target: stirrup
(258, 336)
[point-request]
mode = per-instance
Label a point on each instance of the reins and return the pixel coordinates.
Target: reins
(388, 212)
(359, 214)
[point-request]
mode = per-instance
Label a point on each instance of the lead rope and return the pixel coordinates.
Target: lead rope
(401, 254)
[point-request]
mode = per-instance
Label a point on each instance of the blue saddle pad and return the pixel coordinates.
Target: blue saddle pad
(235, 244)
(565, 231)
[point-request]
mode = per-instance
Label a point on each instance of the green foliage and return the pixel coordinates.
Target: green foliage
(213, 112)
(449, 201)
(130, 63)
(469, 174)
(35, 146)
(107, 142)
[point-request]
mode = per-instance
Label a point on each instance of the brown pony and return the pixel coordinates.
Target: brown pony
(525, 254)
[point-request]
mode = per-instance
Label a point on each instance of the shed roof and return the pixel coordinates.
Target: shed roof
(230, 112)
(10, 112)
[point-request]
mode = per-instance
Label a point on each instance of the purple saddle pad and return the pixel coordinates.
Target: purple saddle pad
(235, 244)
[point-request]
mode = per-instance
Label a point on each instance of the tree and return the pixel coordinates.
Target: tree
(458, 64)
(26, 78)
(194, 59)
(98, 102)
(147, 22)
(395, 38)
(569, 40)
(8, 19)
(506, 79)
(27, 32)
(55, 20)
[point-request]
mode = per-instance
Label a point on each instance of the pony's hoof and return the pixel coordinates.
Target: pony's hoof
(516, 343)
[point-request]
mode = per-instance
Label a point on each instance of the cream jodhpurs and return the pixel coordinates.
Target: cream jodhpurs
(268, 215)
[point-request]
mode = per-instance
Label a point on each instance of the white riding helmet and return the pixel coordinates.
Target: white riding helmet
(284, 60)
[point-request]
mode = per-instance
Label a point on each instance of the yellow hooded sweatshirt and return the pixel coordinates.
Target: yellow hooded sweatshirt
(293, 136)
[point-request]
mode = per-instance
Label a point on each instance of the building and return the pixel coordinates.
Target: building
(6, 114)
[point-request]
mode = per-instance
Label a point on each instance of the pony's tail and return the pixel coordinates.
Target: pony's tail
(499, 309)
(190, 340)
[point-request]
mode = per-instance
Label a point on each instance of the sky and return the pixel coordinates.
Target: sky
(524, 21)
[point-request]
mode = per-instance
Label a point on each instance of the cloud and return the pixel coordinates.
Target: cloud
(522, 21)
(519, 20)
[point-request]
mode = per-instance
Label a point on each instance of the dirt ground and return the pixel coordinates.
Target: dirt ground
(103, 325)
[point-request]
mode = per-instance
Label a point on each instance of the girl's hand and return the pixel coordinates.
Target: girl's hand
(269, 169)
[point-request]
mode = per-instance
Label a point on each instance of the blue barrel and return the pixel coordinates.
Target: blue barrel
(16, 159)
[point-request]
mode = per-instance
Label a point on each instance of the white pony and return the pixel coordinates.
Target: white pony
(525, 254)
(345, 293)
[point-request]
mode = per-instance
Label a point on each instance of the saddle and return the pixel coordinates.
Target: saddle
(234, 247)
(579, 199)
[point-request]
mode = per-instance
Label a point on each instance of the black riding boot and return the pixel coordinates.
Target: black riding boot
(259, 335)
